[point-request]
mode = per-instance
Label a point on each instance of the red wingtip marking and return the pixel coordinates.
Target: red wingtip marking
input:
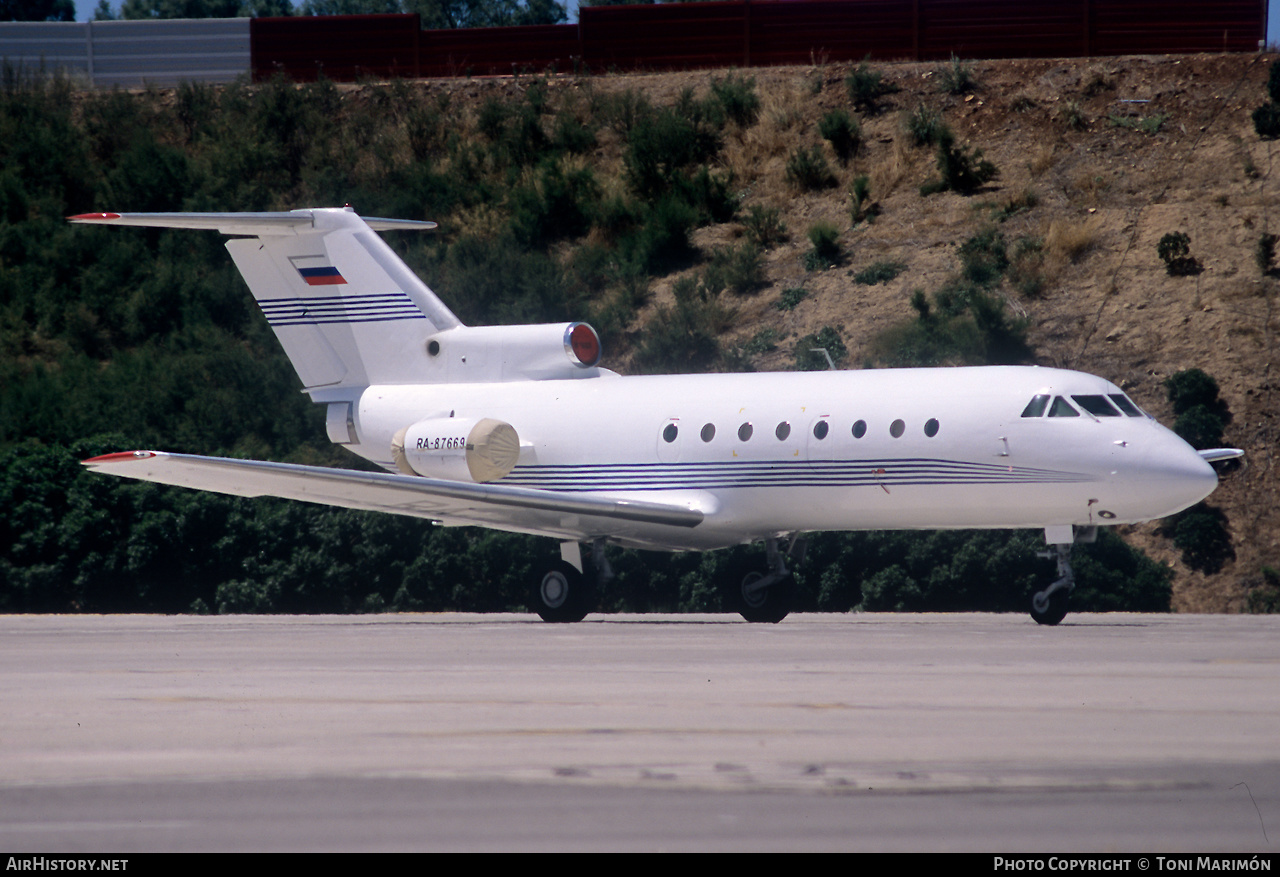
(88, 217)
(120, 457)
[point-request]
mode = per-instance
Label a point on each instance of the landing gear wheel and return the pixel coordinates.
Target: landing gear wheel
(562, 595)
(1049, 609)
(767, 605)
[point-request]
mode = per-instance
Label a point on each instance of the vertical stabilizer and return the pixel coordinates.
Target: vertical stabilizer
(346, 309)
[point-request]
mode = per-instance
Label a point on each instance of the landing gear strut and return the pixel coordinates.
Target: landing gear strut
(1050, 605)
(567, 592)
(766, 597)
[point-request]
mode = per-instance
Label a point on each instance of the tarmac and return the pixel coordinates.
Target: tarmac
(965, 732)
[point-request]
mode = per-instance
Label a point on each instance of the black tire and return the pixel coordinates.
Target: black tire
(764, 607)
(1054, 610)
(562, 594)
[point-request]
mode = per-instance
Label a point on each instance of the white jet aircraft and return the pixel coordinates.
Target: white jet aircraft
(519, 428)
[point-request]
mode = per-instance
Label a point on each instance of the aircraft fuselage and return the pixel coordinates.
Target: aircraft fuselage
(768, 454)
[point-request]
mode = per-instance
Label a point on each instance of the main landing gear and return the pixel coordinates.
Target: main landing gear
(1050, 605)
(765, 598)
(568, 591)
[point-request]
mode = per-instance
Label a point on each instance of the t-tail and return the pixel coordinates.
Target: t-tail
(350, 314)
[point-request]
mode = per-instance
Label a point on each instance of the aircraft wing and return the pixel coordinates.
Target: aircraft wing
(516, 509)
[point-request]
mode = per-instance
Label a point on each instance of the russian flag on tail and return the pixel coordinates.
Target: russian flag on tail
(317, 270)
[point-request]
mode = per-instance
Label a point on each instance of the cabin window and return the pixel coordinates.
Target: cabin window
(820, 430)
(1098, 406)
(860, 429)
(1123, 403)
(931, 427)
(1062, 408)
(744, 432)
(783, 430)
(897, 428)
(1035, 408)
(708, 432)
(669, 433)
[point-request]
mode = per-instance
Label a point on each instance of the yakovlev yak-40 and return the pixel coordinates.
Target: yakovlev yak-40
(519, 428)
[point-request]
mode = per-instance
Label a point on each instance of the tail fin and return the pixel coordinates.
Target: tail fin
(346, 309)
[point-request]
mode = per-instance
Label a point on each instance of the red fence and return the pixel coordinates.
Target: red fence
(765, 32)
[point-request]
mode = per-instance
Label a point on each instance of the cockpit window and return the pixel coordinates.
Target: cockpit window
(1036, 406)
(1098, 406)
(1123, 403)
(1062, 408)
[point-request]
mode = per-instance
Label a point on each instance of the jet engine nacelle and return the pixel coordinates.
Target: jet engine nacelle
(484, 354)
(457, 448)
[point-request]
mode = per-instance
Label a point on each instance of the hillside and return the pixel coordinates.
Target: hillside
(1103, 196)
(674, 212)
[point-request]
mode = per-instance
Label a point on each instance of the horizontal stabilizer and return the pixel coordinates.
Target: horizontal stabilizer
(290, 222)
(1213, 455)
(489, 505)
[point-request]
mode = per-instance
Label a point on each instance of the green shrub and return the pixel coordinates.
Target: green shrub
(880, 272)
(663, 144)
(808, 350)
(957, 77)
(684, 338)
(1174, 250)
(1265, 254)
(807, 169)
(964, 325)
(1266, 121)
(663, 240)
(866, 87)
(710, 194)
(924, 126)
(825, 238)
(764, 226)
(1201, 533)
(1073, 116)
(1264, 598)
(555, 206)
(1202, 415)
(984, 257)
(790, 298)
(739, 269)
(621, 111)
(963, 169)
(842, 132)
(737, 97)
(1026, 267)
(1143, 124)
(762, 342)
(860, 194)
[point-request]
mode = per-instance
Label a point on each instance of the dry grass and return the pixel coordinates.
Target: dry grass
(1067, 241)
(1041, 159)
(889, 170)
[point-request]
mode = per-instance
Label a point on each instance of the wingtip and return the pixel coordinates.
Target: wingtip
(93, 217)
(120, 457)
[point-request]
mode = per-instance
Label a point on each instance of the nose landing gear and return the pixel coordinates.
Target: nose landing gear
(1050, 605)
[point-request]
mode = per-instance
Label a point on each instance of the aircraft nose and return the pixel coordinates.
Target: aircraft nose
(1178, 474)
